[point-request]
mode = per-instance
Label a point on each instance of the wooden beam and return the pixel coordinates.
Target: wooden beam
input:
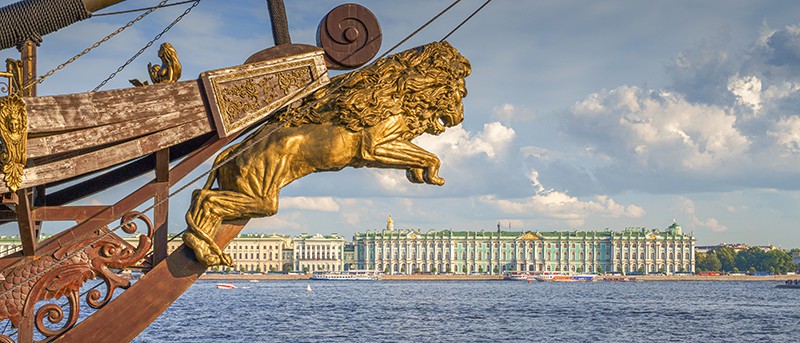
(131, 312)
(110, 156)
(69, 112)
(161, 210)
(116, 176)
(28, 230)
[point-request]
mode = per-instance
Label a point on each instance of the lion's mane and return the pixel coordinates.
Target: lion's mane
(416, 83)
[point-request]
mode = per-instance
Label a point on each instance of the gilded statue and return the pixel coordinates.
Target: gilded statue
(367, 119)
(169, 70)
(13, 139)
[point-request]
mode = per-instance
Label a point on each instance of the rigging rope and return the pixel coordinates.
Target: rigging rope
(230, 157)
(32, 19)
(141, 9)
(149, 44)
(466, 20)
(95, 45)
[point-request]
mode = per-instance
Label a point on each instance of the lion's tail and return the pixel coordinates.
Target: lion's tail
(217, 163)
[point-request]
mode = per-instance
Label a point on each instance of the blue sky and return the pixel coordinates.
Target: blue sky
(580, 115)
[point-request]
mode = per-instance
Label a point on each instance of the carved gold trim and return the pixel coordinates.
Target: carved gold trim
(14, 134)
(243, 95)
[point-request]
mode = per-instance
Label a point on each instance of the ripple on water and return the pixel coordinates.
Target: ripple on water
(449, 311)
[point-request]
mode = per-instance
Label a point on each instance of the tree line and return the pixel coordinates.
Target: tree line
(750, 260)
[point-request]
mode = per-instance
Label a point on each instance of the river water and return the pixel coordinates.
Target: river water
(456, 311)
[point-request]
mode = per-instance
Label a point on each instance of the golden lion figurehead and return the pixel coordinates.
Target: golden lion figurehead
(424, 84)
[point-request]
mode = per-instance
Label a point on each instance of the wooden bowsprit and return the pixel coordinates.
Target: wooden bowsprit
(114, 136)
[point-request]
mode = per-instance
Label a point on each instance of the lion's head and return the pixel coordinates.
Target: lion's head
(425, 84)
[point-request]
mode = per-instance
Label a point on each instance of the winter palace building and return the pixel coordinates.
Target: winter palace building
(631, 250)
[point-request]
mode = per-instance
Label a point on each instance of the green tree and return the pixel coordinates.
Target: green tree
(464, 269)
(449, 270)
(707, 262)
(403, 269)
(433, 270)
(640, 270)
(752, 257)
(751, 270)
(778, 261)
(600, 270)
(386, 270)
(496, 270)
(735, 270)
(726, 257)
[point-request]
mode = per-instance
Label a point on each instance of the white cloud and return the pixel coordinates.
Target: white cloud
(656, 129)
(456, 143)
(324, 204)
(747, 90)
(687, 206)
(787, 134)
(550, 203)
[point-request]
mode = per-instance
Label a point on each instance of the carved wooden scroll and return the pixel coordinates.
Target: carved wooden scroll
(246, 94)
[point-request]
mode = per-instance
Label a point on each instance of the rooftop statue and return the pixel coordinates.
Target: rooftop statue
(366, 118)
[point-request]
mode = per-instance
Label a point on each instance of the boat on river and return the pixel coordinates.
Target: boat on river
(226, 285)
(790, 284)
(517, 276)
(348, 275)
(562, 276)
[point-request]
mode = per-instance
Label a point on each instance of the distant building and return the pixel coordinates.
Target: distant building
(349, 259)
(250, 252)
(735, 246)
(796, 258)
(318, 253)
(630, 251)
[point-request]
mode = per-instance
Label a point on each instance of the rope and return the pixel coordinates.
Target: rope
(141, 9)
(466, 20)
(32, 19)
(149, 44)
(96, 44)
(227, 159)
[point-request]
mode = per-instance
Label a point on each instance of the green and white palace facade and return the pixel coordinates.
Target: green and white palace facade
(633, 250)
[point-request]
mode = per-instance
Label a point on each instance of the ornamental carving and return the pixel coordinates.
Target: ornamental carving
(362, 119)
(14, 135)
(244, 95)
(62, 274)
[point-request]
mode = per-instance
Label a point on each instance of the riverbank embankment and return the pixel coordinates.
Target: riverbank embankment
(424, 277)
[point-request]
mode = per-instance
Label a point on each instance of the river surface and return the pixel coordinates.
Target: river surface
(483, 311)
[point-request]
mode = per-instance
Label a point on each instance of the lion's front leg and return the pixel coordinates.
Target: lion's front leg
(421, 166)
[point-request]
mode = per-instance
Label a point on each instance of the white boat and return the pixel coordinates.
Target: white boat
(225, 286)
(516, 276)
(562, 276)
(348, 275)
(308, 288)
(254, 281)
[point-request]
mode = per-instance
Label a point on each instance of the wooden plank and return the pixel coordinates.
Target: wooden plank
(161, 210)
(131, 312)
(28, 230)
(110, 156)
(67, 141)
(84, 110)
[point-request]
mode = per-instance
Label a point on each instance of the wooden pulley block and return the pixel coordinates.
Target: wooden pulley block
(350, 35)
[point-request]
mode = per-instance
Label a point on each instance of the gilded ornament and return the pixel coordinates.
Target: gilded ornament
(362, 120)
(14, 134)
(169, 70)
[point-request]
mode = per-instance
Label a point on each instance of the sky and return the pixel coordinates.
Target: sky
(581, 115)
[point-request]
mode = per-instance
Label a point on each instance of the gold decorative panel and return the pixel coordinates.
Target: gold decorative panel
(243, 95)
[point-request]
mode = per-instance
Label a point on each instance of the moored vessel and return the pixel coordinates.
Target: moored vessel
(516, 276)
(790, 284)
(562, 276)
(348, 275)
